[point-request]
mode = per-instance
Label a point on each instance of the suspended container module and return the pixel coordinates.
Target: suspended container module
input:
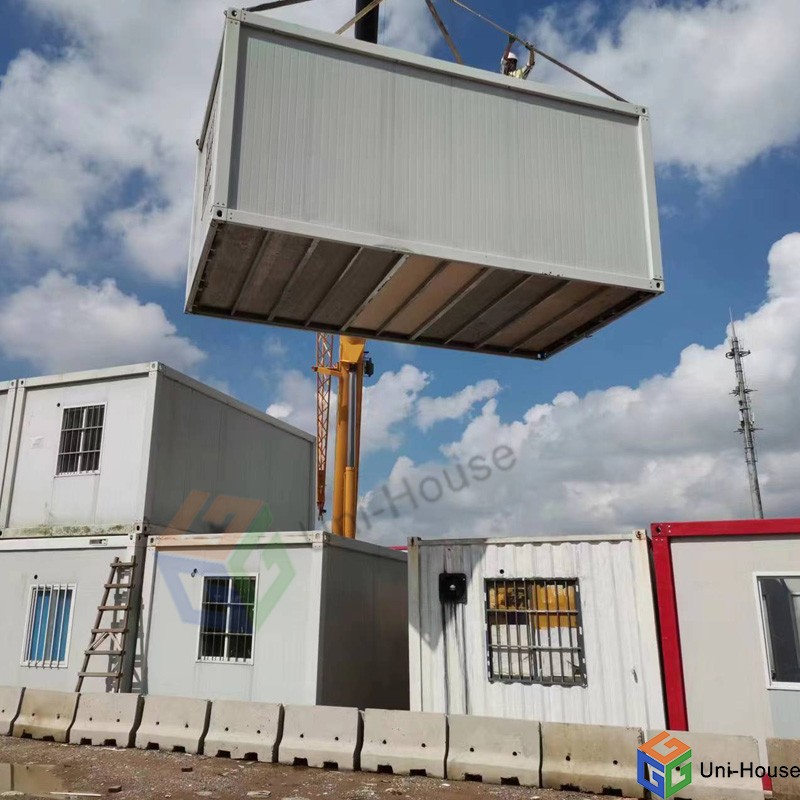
(348, 187)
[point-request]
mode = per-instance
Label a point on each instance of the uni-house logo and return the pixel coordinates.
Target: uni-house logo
(664, 765)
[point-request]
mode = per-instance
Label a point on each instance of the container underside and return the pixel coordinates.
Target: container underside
(283, 279)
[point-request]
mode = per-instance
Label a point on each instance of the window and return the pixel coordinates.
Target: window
(534, 631)
(780, 606)
(81, 435)
(227, 616)
(48, 627)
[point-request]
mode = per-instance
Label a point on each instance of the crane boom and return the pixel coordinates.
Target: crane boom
(324, 359)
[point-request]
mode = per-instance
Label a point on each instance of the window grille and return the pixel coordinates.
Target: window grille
(227, 619)
(534, 631)
(780, 605)
(48, 626)
(81, 437)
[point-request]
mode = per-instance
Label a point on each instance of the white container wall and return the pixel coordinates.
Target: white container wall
(44, 496)
(723, 621)
(321, 619)
(167, 449)
(205, 441)
(555, 630)
(49, 593)
(345, 186)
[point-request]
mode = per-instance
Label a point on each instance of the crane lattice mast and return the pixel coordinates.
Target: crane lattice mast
(747, 427)
(324, 359)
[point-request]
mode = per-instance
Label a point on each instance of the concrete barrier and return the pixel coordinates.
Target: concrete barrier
(244, 730)
(494, 750)
(106, 719)
(717, 749)
(590, 758)
(785, 753)
(404, 743)
(321, 736)
(173, 724)
(46, 715)
(10, 699)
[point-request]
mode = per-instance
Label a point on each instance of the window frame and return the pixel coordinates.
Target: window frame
(200, 659)
(763, 630)
(85, 406)
(583, 679)
(27, 634)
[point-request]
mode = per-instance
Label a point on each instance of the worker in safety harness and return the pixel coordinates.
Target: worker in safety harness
(508, 66)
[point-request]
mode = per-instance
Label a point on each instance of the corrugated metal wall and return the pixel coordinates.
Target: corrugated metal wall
(448, 642)
(357, 143)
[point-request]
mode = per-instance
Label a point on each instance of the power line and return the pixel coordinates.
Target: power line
(747, 427)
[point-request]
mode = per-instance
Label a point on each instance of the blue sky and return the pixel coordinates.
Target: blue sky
(728, 178)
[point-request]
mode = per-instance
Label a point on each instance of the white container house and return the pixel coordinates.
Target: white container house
(143, 447)
(307, 618)
(49, 592)
(92, 463)
(349, 187)
(556, 630)
(729, 608)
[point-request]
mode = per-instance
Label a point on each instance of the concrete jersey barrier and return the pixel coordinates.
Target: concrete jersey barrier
(321, 736)
(784, 753)
(244, 730)
(173, 724)
(405, 742)
(715, 749)
(106, 719)
(46, 714)
(494, 750)
(10, 699)
(600, 759)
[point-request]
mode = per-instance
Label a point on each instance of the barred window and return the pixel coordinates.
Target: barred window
(227, 619)
(81, 437)
(534, 631)
(48, 626)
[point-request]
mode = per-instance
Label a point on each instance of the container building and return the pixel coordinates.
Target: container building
(348, 187)
(550, 629)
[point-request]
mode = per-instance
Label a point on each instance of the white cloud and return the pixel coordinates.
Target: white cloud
(388, 403)
(59, 325)
(296, 400)
(719, 77)
(275, 348)
(431, 410)
(98, 135)
(622, 457)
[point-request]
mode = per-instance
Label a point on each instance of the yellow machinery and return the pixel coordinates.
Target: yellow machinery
(349, 371)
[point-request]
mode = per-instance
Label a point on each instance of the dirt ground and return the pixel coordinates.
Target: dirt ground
(141, 775)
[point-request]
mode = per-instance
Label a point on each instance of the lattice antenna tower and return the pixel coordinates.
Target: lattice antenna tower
(747, 426)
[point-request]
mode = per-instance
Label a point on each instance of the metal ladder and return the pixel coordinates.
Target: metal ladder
(109, 638)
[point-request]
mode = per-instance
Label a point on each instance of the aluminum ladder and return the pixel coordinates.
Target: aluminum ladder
(111, 626)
